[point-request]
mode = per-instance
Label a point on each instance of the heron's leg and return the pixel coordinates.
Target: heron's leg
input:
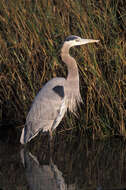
(50, 141)
(50, 135)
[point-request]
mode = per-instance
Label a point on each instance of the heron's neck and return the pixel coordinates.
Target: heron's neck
(72, 84)
(71, 64)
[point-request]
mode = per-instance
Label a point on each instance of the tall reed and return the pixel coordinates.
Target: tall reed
(31, 34)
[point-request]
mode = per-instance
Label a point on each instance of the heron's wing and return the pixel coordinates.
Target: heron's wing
(47, 106)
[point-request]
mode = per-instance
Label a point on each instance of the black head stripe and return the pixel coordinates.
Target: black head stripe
(69, 38)
(59, 90)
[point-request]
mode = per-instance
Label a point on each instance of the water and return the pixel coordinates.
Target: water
(75, 165)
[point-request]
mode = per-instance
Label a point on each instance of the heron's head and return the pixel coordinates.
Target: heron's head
(77, 41)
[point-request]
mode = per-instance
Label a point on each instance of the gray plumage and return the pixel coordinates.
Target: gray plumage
(58, 95)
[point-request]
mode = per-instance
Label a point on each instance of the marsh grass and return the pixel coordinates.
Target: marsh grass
(31, 35)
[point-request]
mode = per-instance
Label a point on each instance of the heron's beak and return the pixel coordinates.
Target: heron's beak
(86, 41)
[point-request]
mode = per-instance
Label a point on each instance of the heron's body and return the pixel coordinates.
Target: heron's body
(53, 100)
(45, 112)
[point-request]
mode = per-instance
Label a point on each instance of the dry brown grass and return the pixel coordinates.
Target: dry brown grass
(31, 34)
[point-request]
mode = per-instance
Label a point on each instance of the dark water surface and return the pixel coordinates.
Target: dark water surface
(74, 165)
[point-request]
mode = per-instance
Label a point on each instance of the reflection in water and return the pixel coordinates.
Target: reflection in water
(74, 165)
(46, 177)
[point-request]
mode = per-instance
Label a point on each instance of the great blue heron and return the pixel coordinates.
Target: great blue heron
(58, 95)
